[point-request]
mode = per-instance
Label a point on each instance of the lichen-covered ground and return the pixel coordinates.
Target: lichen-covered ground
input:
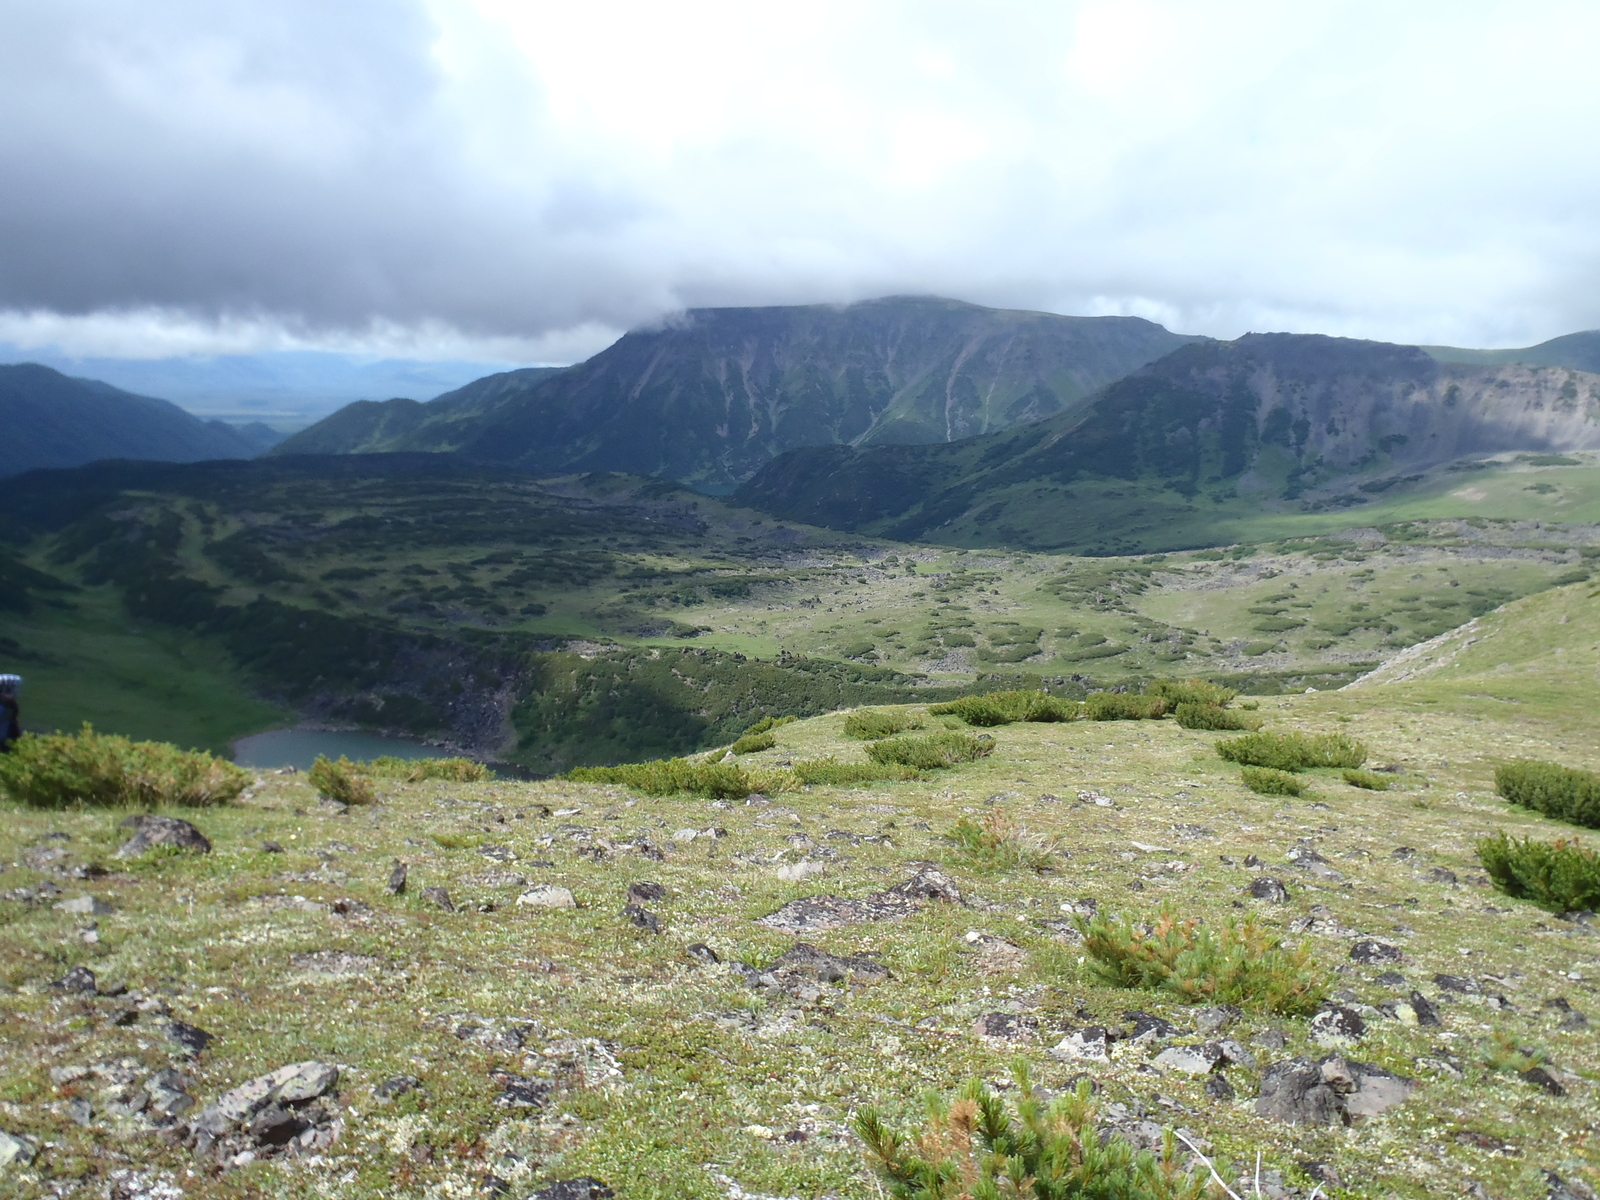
(554, 1043)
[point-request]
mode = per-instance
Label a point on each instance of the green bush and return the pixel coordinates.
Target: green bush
(1003, 708)
(671, 776)
(827, 772)
(415, 770)
(1243, 964)
(1369, 780)
(1124, 706)
(869, 724)
(342, 781)
(1559, 876)
(59, 770)
(1267, 782)
(1293, 751)
(1556, 791)
(1192, 715)
(1190, 691)
(754, 743)
(932, 752)
(769, 723)
(997, 842)
(976, 1149)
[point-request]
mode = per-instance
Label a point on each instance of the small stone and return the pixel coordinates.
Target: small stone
(1294, 1092)
(79, 979)
(1390, 979)
(1337, 1025)
(15, 1148)
(398, 1085)
(85, 906)
(808, 960)
(1556, 1188)
(1321, 1172)
(1235, 1053)
(304, 1081)
(701, 952)
(191, 1038)
(1218, 1087)
(1458, 984)
(547, 896)
(1009, 1028)
(1441, 875)
(438, 896)
(1272, 1039)
(500, 854)
(152, 831)
(518, 1091)
(1541, 1078)
(643, 918)
(685, 835)
(1085, 1045)
(1369, 951)
(1191, 1060)
(397, 879)
(585, 1187)
(1267, 888)
(271, 848)
(1215, 1018)
(795, 872)
(80, 1111)
(168, 1097)
(1427, 1014)
(1146, 1029)
(646, 893)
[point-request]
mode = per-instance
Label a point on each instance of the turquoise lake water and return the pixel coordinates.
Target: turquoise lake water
(300, 747)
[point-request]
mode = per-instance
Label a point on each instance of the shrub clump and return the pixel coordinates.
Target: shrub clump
(754, 743)
(869, 724)
(1556, 791)
(1191, 691)
(99, 769)
(1293, 751)
(1267, 782)
(415, 770)
(976, 1147)
(827, 771)
(1560, 876)
(343, 781)
(1125, 706)
(769, 723)
(1194, 715)
(1004, 708)
(1368, 780)
(1244, 963)
(671, 776)
(933, 752)
(999, 843)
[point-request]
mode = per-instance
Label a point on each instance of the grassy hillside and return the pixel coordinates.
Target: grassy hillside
(533, 1045)
(1576, 351)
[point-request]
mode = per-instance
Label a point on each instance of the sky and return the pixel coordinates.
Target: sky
(513, 181)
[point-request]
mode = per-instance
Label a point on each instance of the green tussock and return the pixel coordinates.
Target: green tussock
(755, 743)
(1369, 781)
(97, 769)
(416, 770)
(1559, 876)
(933, 752)
(341, 780)
(767, 724)
(869, 724)
(996, 842)
(1003, 708)
(1293, 751)
(827, 772)
(1243, 963)
(1191, 691)
(1556, 791)
(1193, 715)
(978, 1147)
(672, 776)
(1124, 706)
(1265, 781)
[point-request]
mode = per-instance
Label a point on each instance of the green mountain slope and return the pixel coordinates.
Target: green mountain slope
(1214, 432)
(54, 420)
(1576, 351)
(710, 399)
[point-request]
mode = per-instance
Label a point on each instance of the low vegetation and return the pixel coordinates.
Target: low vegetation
(64, 770)
(977, 1147)
(1124, 706)
(767, 724)
(1560, 876)
(933, 752)
(1369, 781)
(869, 724)
(755, 743)
(996, 842)
(1556, 791)
(1191, 691)
(1193, 715)
(342, 780)
(1244, 963)
(1004, 708)
(416, 770)
(1293, 751)
(830, 773)
(674, 776)
(1265, 781)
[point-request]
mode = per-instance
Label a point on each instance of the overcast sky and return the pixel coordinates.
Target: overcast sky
(522, 181)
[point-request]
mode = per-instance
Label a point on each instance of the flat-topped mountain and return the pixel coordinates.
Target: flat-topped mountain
(54, 420)
(710, 398)
(1266, 419)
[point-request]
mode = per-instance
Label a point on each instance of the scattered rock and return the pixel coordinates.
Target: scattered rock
(646, 893)
(80, 1111)
(1541, 1078)
(807, 960)
(1271, 1039)
(151, 831)
(15, 1148)
(809, 913)
(1367, 1090)
(1557, 1188)
(1571, 1018)
(79, 979)
(1337, 1025)
(1369, 951)
(1234, 1052)
(271, 848)
(642, 917)
(1267, 888)
(325, 965)
(271, 1114)
(804, 869)
(1321, 1172)
(85, 906)
(703, 953)
(397, 879)
(1390, 979)
(1009, 1028)
(191, 1039)
(1402, 853)
(1459, 984)
(438, 896)
(500, 854)
(585, 1187)
(547, 895)
(518, 1091)
(1215, 1018)
(1441, 875)
(1085, 1045)
(168, 1093)
(1218, 1087)
(1191, 1060)
(1145, 1029)
(1294, 1092)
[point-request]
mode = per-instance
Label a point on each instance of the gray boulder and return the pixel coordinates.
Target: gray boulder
(1294, 1092)
(150, 831)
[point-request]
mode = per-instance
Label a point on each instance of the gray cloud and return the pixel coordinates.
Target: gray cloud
(431, 173)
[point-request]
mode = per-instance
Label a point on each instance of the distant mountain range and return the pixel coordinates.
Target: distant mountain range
(53, 420)
(1267, 419)
(710, 398)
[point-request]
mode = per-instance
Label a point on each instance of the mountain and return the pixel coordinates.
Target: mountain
(710, 398)
(54, 420)
(1576, 351)
(1269, 422)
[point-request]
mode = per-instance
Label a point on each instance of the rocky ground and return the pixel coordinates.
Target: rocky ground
(554, 990)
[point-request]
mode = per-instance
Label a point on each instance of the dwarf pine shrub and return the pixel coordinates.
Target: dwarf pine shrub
(1560, 876)
(754, 743)
(769, 723)
(828, 772)
(1124, 706)
(1191, 691)
(999, 843)
(1368, 780)
(672, 776)
(1556, 791)
(978, 1148)
(415, 770)
(1003, 708)
(869, 724)
(933, 752)
(1293, 751)
(343, 781)
(1195, 715)
(59, 770)
(1244, 963)
(1267, 782)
